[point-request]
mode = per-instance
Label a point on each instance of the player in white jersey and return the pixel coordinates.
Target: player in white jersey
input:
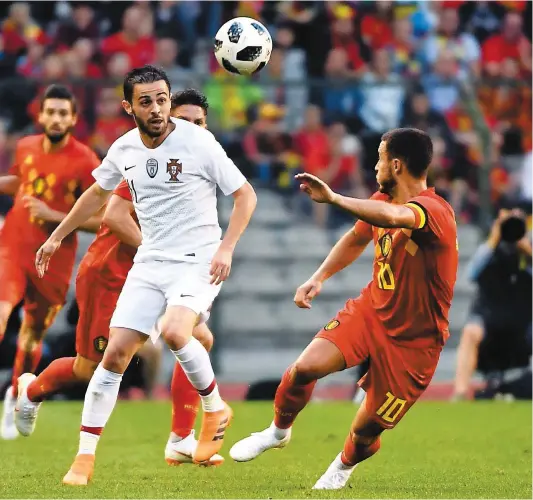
(172, 168)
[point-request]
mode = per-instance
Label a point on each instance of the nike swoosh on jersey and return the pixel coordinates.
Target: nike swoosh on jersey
(129, 168)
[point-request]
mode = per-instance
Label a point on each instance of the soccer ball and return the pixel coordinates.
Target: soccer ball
(243, 46)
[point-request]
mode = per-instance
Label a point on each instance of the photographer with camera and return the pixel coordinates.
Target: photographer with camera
(497, 336)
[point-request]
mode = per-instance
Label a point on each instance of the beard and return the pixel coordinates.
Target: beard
(387, 187)
(145, 128)
(57, 137)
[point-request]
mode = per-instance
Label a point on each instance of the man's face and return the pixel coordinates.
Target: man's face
(384, 171)
(150, 107)
(57, 119)
(190, 113)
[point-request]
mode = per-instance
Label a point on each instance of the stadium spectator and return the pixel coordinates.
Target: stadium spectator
(441, 85)
(19, 29)
(402, 49)
(500, 317)
(511, 43)
(31, 64)
(135, 39)
(81, 25)
(376, 29)
(482, 19)
(78, 67)
(166, 56)
(463, 46)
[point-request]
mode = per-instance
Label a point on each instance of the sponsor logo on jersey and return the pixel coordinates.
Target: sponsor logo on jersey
(174, 168)
(152, 167)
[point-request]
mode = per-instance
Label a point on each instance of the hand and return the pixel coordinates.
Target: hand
(524, 245)
(317, 190)
(221, 266)
(38, 209)
(496, 232)
(307, 292)
(44, 254)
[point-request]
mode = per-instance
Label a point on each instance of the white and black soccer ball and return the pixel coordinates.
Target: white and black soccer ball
(243, 46)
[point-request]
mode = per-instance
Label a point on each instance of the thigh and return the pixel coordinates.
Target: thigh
(349, 331)
(96, 304)
(12, 277)
(189, 285)
(141, 300)
(398, 375)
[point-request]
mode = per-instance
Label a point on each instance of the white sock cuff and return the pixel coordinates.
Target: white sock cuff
(189, 350)
(104, 375)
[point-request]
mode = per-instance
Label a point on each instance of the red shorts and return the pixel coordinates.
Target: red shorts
(43, 297)
(400, 370)
(96, 303)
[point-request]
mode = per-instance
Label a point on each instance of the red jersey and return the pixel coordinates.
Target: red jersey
(111, 258)
(415, 270)
(58, 178)
(140, 52)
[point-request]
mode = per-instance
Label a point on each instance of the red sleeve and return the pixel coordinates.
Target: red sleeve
(123, 191)
(432, 215)
(364, 228)
(86, 178)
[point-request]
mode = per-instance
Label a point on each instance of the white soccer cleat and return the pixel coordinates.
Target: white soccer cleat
(181, 452)
(8, 430)
(25, 410)
(336, 476)
(251, 447)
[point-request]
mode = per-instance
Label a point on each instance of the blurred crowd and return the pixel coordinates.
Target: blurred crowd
(340, 74)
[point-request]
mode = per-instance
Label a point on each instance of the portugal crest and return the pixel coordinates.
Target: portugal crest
(152, 167)
(174, 168)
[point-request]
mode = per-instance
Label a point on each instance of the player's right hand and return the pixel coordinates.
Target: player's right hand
(307, 292)
(44, 254)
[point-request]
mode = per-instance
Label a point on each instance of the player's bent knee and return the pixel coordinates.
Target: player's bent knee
(305, 371)
(84, 368)
(177, 326)
(123, 344)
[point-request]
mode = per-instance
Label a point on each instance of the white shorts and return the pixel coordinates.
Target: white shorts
(152, 286)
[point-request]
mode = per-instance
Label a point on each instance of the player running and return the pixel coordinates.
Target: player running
(400, 320)
(51, 171)
(101, 276)
(172, 168)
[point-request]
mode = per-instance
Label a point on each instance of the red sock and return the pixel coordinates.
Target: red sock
(57, 375)
(26, 361)
(290, 399)
(185, 403)
(353, 453)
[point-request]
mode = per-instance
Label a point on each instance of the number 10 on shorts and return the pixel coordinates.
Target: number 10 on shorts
(391, 408)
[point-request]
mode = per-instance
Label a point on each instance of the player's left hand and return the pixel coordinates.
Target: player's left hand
(44, 254)
(317, 189)
(38, 208)
(221, 266)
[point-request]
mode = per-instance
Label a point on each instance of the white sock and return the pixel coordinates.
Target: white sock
(279, 433)
(196, 364)
(100, 399)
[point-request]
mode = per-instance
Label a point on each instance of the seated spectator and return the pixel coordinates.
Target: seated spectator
(81, 25)
(111, 122)
(376, 29)
(402, 49)
(510, 44)
(78, 67)
(117, 66)
(483, 19)
(442, 84)
(19, 29)
(500, 317)
(32, 64)
(166, 56)
(133, 40)
(463, 46)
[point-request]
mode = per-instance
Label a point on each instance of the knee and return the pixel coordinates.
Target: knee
(472, 334)
(116, 358)
(84, 369)
(304, 371)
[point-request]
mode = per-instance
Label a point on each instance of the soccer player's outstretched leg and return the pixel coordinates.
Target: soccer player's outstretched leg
(181, 263)
(399, 322)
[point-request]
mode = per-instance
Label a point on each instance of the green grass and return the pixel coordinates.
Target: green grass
(439, 450)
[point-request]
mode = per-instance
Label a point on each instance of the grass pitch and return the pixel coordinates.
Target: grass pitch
(439, 450)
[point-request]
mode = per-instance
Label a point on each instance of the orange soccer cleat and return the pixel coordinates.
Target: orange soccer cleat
(211, 439)
(80, 471)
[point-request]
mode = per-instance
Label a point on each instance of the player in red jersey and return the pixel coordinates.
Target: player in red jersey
(51, 170)
(101, 276)
(399, 322)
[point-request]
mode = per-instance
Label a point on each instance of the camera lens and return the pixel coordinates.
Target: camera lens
(513, 229)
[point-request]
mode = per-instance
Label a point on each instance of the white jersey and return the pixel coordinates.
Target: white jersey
(174, 190)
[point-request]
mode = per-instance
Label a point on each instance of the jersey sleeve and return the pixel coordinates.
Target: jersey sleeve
(108, 175)
(90, 164)
(430, 215)
(363, 229)
(219, 168)
(123, 191)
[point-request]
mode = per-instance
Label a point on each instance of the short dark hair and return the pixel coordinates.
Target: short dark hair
(190, 96)
(146, 74)
(56, 91)
(412, 146)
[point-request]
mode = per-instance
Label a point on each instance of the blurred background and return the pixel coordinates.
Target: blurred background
(340, 75)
